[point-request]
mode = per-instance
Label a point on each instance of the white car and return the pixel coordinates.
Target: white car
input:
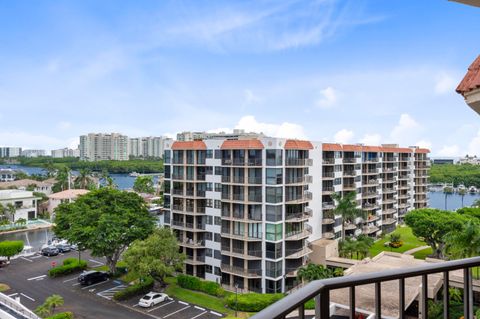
(152, 298)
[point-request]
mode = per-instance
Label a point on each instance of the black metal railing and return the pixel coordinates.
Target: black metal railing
(320, 290)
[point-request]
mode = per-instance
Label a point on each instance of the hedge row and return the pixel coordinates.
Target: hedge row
(142, 287)
(62, 315)
(70, 265)
(194, 283)
(252, 302)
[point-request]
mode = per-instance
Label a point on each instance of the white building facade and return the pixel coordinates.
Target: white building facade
(100, 147)
(65, 152)
(25, 203)
(7, 152)
(151, 146)
(33, 153)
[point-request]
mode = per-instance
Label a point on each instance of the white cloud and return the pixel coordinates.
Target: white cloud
(371, 139)
(343, 136)
(444, 83)
(64, 125)
(32, 141)
(449, 150)
(424, 144)
(250, 97)
(406, 129)
(474, 145)
(328, 98)
(285, 129)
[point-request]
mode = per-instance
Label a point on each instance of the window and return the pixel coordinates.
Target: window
(274, 157)
(273, 269)
(337, 181)
(274, 194)
(218, 272)
(273, 287)
(209, 187)
(273, 250)
(238, 228)
(209, 220)
(167, 156)
(208, 252)
(208, 269)
(208, 236)
(208, 203)
(217, 204)
(218, 154)
(255, 230)
(209, 154)
(274, 232)
(218, 221)
(217, 254)
(218, 170)
(218, 187)
(274, 176)
(217, 238)
(274, 213)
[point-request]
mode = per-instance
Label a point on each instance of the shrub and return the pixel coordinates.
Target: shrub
(396, 244)
(141, 287)
(62, 315)
(10, 248)
(194, 283)
(70, 265)
(252, 302)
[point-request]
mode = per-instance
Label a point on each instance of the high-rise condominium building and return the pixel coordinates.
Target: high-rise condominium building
(34, 153)
(65, 152)
(98, 147)
(6, 152)
(236, 134)
(147, 146)
(245, 211)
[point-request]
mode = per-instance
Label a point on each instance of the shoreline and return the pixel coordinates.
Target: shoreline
(33, 227)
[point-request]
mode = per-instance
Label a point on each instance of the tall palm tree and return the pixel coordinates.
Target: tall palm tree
(83, 179)
(49, 168)
(11, 210)
(2, 212)
(63, 179)
(346, 207)
(53, 302)
(465, 242)
(462, 193)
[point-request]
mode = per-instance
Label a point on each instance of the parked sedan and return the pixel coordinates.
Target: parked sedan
(151, 299)
(88, 278)
(63, 248)
(50, 251)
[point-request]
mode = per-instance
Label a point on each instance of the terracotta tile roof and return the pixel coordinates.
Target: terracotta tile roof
(298, 145)
(372, 149)
(189, 145)
(352, 148)
(422, 150)
(389, 149)
(404, 150)
(471, 81)
(331, 147)
(68, 194)
(242, 145)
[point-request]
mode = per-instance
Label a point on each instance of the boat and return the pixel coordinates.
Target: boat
(472, 190)
(134, 174)
(461, 187)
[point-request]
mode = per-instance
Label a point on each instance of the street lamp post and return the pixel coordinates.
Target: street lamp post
(236, 300)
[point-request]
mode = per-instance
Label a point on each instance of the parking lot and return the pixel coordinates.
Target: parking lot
(29, 282)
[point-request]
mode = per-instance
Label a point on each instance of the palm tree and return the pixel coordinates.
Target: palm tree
(49, 168)
(2, 212)
(462, 193)
(63, 179)
(347, 208)
(11, 210)
(54, 301)
(313, 272)
(464, 243)
(346, 247)
(42, 311)
(83, 179)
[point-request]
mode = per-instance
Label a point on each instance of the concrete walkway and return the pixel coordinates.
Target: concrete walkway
(414, 250)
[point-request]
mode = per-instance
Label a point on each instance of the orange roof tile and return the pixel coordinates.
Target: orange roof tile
(352, 148)
(372, 149)
(404, 150)
(298, 145)
(390, 149)
(242, 145)
(189, 145)
(422, 150)
(331, 147)
(471, 81)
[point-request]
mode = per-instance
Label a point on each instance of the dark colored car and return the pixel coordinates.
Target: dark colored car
(63, 248)
(88, 278)
(50, 251)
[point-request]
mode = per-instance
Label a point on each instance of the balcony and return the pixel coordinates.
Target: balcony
(328, 221)
(403, 205)
(389, 211)
(189, 243)
(403, 187)
(245, 237)
(298, 162)
(297, 253)
(307, 231)
(254, 162)
(242, 253)
(200, 260)
(388, 221)
(370, 172)
(240, 271)
(372, 182)
(298, 217)
(388, 190)
(349, 187)
(367, 230)
(328, 205)
(177, 207)
(328, 161)
(349, 173)
(328, 235)
(403, 196)
(328, 175)
(305, 197)
(349, 160)
(328, 190)
(179, 177)
(349, 226)
(255, 180)
(371, 160)
(389, 201)
(306, 179)
(366, 195)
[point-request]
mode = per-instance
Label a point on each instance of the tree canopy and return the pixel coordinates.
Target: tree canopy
(106, 221)
(433, 225)
(156, 256)
(346, 206)
(144, 184)
(10, 248)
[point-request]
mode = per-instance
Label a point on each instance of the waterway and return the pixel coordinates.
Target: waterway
(35, 238)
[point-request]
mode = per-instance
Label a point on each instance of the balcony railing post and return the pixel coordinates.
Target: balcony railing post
(301, 311)
(424, 297)
(352, 302)
(467, 294)
(378, 300)
(446, 296)
(322, 305)
(401, 303)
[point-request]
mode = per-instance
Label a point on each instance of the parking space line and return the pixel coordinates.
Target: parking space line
(183, 302)
(97, 262)
(76, 284)
(35, 257)
(177, 311)
(13, 294)
(27, 259)
(216, 313)
(27, 296)
(199, 308)
(150, 310)
(201, 314)
(94, 285)
(75, 278)
(37, 278)
(109, 293)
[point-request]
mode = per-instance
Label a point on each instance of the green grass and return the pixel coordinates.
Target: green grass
(409, 242)
(4, 287)
(422, 254)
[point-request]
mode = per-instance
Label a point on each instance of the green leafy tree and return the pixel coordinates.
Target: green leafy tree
(42, 311)
(312, 272)
(106, 221)
(156, 256)
(48, 307)
(465, 242)
(83, 180)
(62, 178)
(346, 207)
(433, 225)
(144, 184)
(11, 210)
(3, 212)
(476, 203)
(49, 168)
(10, 248)
(347, 247)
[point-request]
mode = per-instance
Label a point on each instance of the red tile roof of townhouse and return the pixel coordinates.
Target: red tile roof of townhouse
(68, 194)
(331, 147)
(404, 150)
(242, 145)
(471, 81)
(352, 148)
(372, 149)
(298, 145)
(189, 145)
(422, 150)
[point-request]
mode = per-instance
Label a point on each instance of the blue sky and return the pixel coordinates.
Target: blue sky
(370, 71)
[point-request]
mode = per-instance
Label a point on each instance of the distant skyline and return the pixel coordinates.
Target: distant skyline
(358, 71)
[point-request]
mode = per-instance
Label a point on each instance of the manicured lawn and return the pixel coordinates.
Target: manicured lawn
(422, 254)
(409, 242)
